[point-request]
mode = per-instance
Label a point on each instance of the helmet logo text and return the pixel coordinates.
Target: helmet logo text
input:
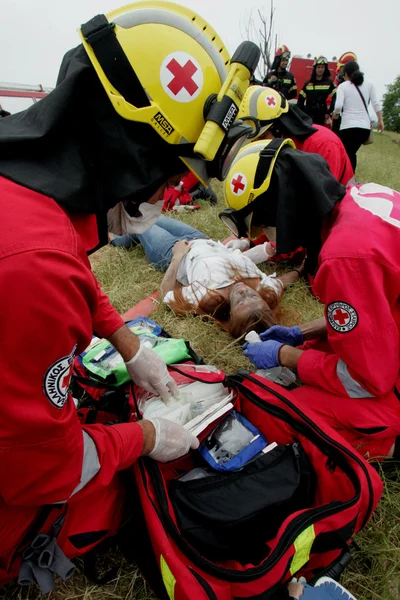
(160, 121)
(181, 77)
(230, 117)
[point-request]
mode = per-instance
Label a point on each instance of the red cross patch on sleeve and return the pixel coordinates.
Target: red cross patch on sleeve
(57, 378)
(341, 316)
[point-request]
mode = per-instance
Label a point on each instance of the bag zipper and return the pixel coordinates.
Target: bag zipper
(320, 433)
(204, 584)
(239, 473)
(174, 368)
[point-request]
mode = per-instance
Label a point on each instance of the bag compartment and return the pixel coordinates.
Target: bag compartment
(232, 515)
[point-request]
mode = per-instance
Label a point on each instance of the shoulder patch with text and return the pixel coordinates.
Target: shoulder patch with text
(342, 317)
(57, 378)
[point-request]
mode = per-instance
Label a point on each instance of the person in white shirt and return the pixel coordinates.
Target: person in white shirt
(356, 123)
(207, 278)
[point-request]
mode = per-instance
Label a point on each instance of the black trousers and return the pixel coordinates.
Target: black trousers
(352, 139)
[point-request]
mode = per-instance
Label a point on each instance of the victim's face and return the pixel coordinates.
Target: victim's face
(244, 298)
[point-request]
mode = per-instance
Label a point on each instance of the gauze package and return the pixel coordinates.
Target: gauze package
(198, 405)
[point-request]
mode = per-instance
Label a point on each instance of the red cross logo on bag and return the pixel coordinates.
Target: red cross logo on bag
(181, 77)
(341, 316)
(239, 184)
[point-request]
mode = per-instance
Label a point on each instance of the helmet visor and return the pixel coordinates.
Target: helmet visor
(236, 221)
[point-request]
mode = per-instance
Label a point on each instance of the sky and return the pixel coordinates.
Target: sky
(35, 34)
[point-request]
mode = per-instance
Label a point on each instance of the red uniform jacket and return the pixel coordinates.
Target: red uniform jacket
(358, 281)
(50, 304)
(327, 144)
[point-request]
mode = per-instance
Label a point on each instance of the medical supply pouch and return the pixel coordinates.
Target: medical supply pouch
(331, 495)
(232, 444)
(105, 363)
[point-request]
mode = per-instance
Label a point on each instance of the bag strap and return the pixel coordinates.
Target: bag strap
(363, 99)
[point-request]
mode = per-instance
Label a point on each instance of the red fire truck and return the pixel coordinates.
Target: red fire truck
(302, 69)
(15, 97)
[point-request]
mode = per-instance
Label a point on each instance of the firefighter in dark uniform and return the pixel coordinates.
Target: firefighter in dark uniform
(317, 98)
(279, 77)
(339, 78)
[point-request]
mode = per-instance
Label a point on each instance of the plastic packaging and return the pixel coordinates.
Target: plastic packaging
(194, 400)
(281, 375)
(229, 439)
(103, 360)
(232, 444)
(197, 473)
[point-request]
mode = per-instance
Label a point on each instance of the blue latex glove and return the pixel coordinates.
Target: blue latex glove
(264, 355)
(286, 335)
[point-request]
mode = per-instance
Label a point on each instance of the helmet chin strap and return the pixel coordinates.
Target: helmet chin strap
(99, 33)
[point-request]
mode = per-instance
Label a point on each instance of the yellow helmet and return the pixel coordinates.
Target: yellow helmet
(163, 65)
(263, 103)
(248, 179)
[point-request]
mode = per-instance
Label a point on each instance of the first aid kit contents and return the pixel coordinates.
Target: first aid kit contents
(198, 404)
(232, 444)
(104, 361)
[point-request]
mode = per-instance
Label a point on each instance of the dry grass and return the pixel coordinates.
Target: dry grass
(127, 278)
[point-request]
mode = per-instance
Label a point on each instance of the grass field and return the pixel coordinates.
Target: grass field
(127, 278)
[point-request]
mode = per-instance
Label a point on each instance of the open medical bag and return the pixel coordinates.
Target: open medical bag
(332, 498)
(105, 394)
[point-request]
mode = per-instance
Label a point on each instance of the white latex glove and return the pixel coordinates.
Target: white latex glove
(149, 371)
(241, 244)
(172, 440)
(261, 253)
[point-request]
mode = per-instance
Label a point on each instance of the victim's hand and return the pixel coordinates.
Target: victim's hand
(180, 249)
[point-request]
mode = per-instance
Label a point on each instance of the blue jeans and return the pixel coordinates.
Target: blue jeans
(159, 240)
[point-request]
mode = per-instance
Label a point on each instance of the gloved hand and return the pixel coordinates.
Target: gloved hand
(264, 355)
(287, 335)
(241, 245)
(172, 440)
(149, 371)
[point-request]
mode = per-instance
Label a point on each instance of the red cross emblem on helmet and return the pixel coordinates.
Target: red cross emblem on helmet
(238, 184)
(270, 101)
(181, 76)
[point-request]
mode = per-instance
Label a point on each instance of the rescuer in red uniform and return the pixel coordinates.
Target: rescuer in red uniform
(278, 118)
(94, 143)
(349, 360)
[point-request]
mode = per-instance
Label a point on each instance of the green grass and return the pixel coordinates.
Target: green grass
(127, 278)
